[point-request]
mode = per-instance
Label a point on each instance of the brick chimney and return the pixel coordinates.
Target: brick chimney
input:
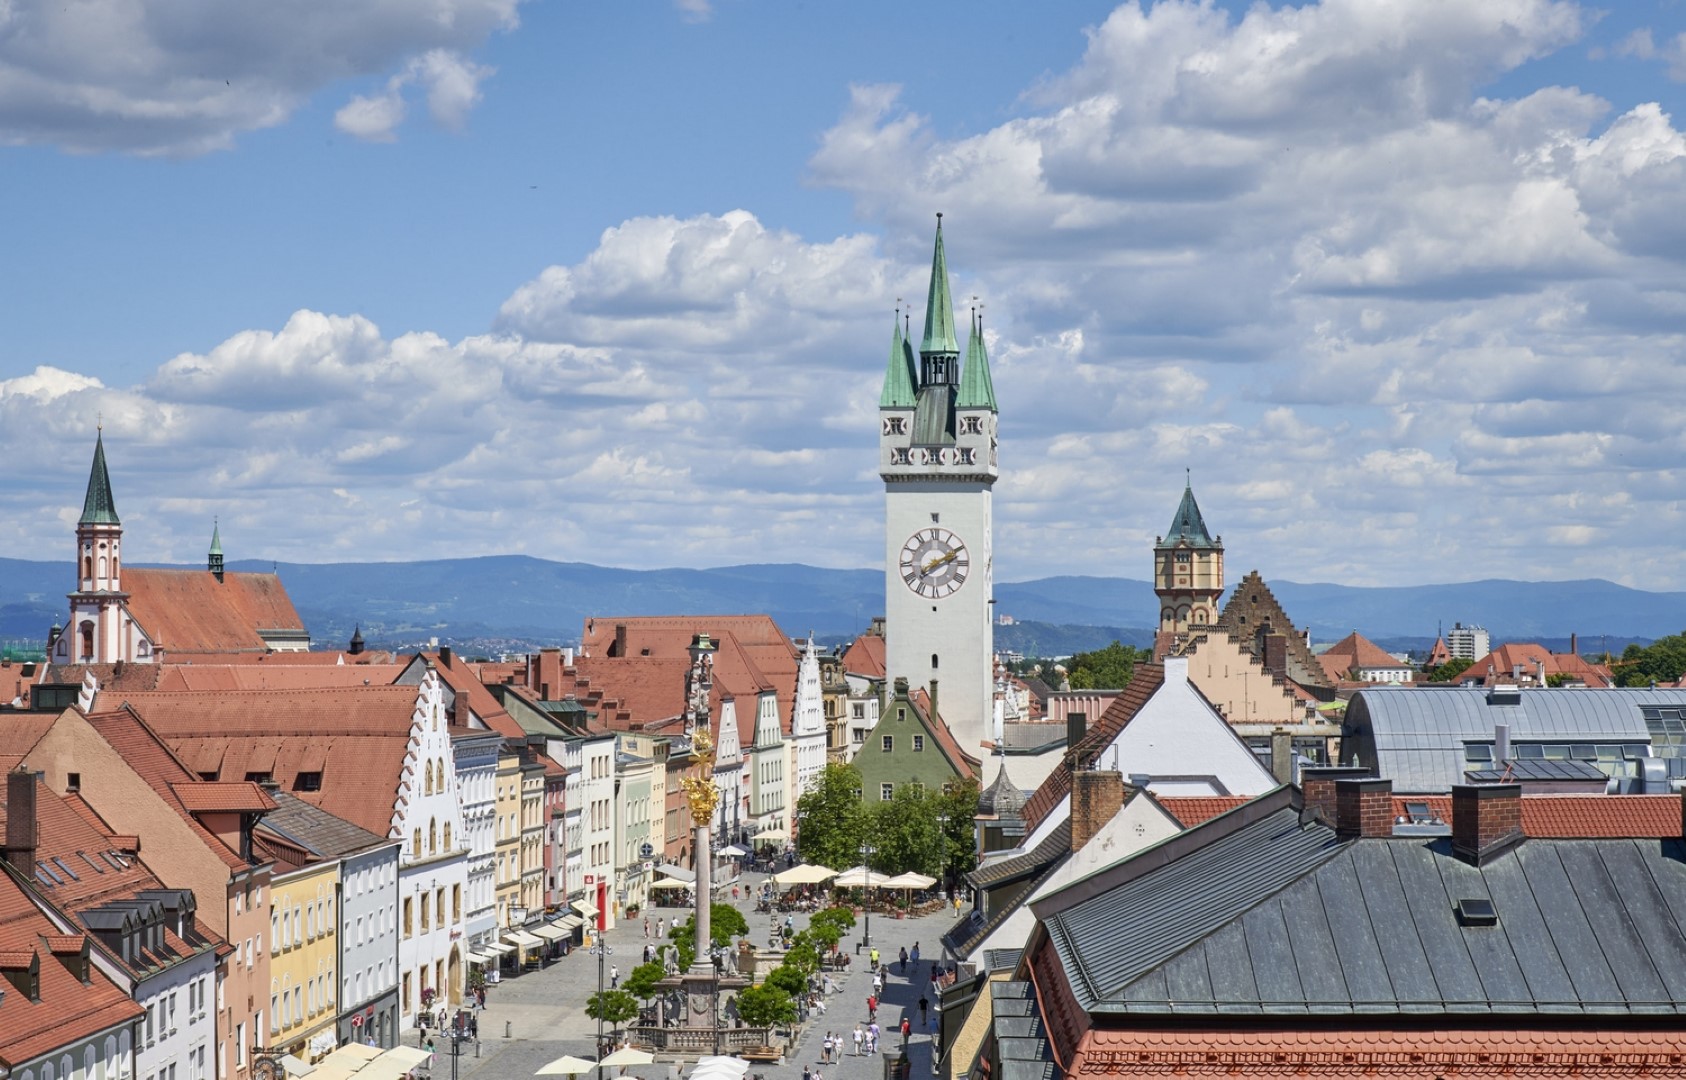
(1275, 659)
(1096, 795)
(20, 820)
(1317, 785)
(1282, 755)
(1486, 820)
(1364, 808)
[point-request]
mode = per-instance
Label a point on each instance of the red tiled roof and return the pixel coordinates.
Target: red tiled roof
(202, 676)
(1192, 810)
(1503, 661)
(356, 737)
(228, 796)
(1580, 817)
(1342, 1051)
(1355, 651)
(865, 656)
(68, 1011)
(153, 761)
(1147, 679)
(111, 677)
(190, 611)
(754, 653)
(472, 696)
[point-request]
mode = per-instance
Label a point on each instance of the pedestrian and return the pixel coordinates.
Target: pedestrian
(907, 1028)
(676, 922)
(956, 905)
(859, 1035)
(871, 1007)
(878, 983)
(825, 1049)
(916, 954)
(614, 976)
(901, 962)
(924, 1008)
(734, 894)
(807, 1073)
(429, 1049)
(873, 1034)
(474, 1028)
(646, 926)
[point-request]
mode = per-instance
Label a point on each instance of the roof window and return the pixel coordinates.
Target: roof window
(308, 781)
(1477, 911)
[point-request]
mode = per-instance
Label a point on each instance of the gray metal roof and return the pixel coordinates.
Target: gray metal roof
(1415, 736)
(316, 830)
(1021, 1050)
(1520, 769)
(1283, 919)
(1053, 846)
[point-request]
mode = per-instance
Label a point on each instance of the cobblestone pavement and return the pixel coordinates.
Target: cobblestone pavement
(540, 1016)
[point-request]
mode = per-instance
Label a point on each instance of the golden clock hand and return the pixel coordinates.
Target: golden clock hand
(938, 561)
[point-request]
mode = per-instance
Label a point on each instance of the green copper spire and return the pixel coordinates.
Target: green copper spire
(898, 383)
(1188, 526)
(97, 507)
(939, 309)
(977, 390)
(216, 539)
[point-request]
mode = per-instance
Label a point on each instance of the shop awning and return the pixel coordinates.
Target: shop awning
(481, 956)
(522, 938)
(549, 933)
(678, 873)
(587, 910)
(568, 923)
(498, 946)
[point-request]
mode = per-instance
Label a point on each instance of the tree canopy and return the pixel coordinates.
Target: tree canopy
(1663, 661)
(833, 821)
(766, 1006)
(612, 1006)
(1103, 669)
(1450, 670)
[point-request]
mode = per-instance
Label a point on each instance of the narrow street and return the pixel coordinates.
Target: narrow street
(543, 1012)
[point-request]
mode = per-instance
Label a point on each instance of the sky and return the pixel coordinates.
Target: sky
(1401, 285)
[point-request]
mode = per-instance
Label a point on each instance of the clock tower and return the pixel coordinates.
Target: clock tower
(936, 453)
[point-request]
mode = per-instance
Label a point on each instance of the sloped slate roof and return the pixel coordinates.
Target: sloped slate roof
(1284, 919)
(1188, 527)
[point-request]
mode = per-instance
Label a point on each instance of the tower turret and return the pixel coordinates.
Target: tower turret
(1188, 576)
(213, 560)
(94, 634)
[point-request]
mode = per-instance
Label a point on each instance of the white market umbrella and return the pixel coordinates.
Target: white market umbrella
(805, 874)
(567, 1065)
(669, 883)
(626, 1055)
(733, 851)
(860, 877)
(720, 1068)
(910, 880)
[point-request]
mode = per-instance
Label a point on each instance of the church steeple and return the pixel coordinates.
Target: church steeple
(939, 338)
(898, 380)
(213, 560)
(97, 505)
(977, 390)
(1188, 576)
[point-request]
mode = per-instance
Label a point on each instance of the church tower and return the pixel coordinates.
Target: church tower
(1188, 576)
(937, 456)
(94, 635)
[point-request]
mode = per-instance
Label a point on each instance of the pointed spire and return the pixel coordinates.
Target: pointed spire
(898, 381)
(97, 507)
(977, 390)
(939, 309)
(1188, 526)
(216, 537)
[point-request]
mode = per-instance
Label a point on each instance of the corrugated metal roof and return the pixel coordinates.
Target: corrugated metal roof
(1416, 736)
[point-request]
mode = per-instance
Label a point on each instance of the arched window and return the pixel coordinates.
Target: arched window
(427, 779)
(88, 1063)
(432, 836)
(447, 836)
(87, 629)
(102, 566)
(88, 567)
(415, 842)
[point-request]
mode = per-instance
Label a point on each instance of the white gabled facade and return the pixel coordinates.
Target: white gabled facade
(597, 810)
(765, 764)
(432, 873)
(731, 812)
(807, 724)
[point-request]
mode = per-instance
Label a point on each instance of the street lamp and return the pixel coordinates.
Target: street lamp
(942, 842)
(867, 852)
(599, 950)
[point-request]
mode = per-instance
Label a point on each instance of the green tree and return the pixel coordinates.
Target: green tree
(1104, 669)
(905, 833)
(766, 1006)
(641, 981)
(1449, 671)
(833, 821)
(788, 979)
(725, 923)
(1662, 661)
(613, 1007)
(956, 808)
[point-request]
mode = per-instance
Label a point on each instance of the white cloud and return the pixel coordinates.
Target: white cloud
(189, 76)
(694, 10)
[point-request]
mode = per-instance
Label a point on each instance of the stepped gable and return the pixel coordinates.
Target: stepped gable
(1253, 606)
(188, 612)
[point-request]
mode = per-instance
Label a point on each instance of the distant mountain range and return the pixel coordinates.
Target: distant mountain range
(510, 602)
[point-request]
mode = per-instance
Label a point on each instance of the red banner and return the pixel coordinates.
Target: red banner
(602, 905)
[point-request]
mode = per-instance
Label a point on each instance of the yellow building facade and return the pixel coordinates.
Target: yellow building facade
(303, 961)
(507, 807)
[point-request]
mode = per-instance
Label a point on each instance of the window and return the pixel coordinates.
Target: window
(308, 781)
(73, 782)
(424, 913)
(918, 743)
(886, 792)
(933, 661)
(259, 778)
(887, 743)
(407, 914)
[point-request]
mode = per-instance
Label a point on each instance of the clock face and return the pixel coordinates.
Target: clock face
(934, 563)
